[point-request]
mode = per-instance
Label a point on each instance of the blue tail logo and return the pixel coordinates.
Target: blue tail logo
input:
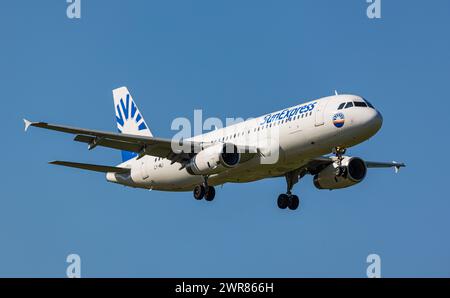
(128, 117)
(128, 112)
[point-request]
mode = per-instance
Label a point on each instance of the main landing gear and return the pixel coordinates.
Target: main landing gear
(204, 191)
(288, 200)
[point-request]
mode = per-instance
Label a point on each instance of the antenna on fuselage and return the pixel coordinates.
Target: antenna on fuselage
(335, 92)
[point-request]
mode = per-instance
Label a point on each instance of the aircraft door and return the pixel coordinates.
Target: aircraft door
(320, 112)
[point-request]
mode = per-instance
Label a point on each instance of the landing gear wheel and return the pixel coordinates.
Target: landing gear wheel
(283, 201)
(294, 202)
(199, 192)
(210, 193)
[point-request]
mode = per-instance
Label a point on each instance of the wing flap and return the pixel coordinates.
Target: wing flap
(106, 142)
(90, 167)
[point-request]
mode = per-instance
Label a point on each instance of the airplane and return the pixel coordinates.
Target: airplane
(311, 138)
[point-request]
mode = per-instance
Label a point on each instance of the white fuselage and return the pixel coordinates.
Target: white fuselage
(314, 129)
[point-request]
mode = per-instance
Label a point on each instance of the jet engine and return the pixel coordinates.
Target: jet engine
(350, 171)
(214, 159)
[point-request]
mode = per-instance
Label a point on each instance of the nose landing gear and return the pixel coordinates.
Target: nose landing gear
(339, 152)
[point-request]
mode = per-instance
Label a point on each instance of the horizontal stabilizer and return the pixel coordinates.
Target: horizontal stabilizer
(90, 167)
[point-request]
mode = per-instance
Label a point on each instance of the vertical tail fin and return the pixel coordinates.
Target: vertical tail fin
(128, 117)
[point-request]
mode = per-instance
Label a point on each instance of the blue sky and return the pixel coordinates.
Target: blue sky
(231, 59)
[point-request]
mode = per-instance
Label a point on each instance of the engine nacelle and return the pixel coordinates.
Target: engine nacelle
(214, 159)
(352, 171)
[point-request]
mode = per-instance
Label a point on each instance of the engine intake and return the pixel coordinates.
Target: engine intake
(352, 170)
(214, 159)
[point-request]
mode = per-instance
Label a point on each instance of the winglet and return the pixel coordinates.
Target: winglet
(397, 166)
(27, 123)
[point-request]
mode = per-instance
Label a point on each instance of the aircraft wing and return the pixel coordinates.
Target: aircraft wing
(375, 164)
(394, 164)
(143, 145)
(318, 164)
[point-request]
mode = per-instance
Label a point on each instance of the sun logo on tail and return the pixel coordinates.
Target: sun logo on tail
(128, 117)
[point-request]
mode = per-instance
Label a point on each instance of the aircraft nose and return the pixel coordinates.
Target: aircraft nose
(377, 120)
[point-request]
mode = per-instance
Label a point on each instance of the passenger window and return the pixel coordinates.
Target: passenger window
(360, 104)
(349, 105)
(341, 106)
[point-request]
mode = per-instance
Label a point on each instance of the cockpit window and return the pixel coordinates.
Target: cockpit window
(349, 105)
(368, 103)
(360, 104)
(341, 106)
